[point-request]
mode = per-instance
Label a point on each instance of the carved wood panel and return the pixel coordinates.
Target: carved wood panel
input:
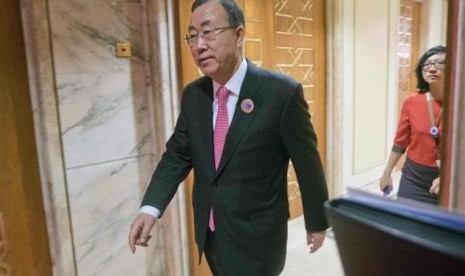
(299, 52)
(407, 48)
(407, 54)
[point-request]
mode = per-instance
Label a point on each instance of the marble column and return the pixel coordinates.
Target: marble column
(102, 122)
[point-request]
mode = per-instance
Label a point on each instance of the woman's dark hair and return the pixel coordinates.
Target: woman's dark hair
(422, 85)
(235, 14)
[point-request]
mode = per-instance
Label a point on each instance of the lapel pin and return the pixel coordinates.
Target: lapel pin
(247, 105)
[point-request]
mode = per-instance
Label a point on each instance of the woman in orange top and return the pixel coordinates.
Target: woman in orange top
(418, 133)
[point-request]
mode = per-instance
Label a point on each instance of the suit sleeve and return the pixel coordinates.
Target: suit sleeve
(172, 169)
(301, 144)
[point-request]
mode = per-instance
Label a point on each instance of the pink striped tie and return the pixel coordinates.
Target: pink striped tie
(221, 124)
(219, 136)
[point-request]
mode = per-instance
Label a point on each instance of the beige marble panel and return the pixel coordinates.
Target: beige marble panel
(41, 84)
(103, 117)
(85, 33)
(104, 200)
(101, 122)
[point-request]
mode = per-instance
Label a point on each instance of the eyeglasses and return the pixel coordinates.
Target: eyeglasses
(439, 64)
(206, 35)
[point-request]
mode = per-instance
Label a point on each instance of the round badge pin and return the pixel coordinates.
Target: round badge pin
(247, 105)
(434, 131)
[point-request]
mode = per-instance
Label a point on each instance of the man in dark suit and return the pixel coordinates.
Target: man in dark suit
(240, 180)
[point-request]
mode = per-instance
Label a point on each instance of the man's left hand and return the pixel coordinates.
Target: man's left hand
(315, 240)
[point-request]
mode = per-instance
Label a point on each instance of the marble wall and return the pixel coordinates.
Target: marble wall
(99, 136)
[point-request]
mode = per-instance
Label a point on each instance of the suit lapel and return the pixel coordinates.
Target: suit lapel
(205, 130)
(241, 121)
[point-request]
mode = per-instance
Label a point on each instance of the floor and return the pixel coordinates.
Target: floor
(324, 262)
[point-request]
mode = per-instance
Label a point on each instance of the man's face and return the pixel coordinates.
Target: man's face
(219, 56)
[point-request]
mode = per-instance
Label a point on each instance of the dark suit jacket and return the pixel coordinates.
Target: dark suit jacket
(248, 192)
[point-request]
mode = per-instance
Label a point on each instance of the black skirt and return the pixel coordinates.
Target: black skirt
(416, 181)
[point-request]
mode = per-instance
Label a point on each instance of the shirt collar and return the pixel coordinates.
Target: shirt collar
(235, 82)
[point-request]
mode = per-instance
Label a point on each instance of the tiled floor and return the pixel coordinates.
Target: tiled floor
(299, 262)
(324, 262)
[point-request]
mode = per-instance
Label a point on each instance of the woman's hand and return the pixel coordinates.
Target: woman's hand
(435, 186)
(385, 183)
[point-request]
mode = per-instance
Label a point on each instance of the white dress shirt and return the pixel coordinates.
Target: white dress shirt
(234, 85)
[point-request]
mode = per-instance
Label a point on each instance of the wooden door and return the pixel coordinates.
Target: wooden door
(407, 48)
(407, 54)
(299, 51)
(284, 36)
(24, 246)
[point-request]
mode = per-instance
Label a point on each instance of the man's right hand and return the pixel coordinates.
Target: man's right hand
(140, 231)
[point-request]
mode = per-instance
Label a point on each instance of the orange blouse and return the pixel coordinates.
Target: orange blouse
(413, 130)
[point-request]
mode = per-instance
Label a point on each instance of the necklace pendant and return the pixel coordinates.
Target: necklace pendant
(434, 131)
